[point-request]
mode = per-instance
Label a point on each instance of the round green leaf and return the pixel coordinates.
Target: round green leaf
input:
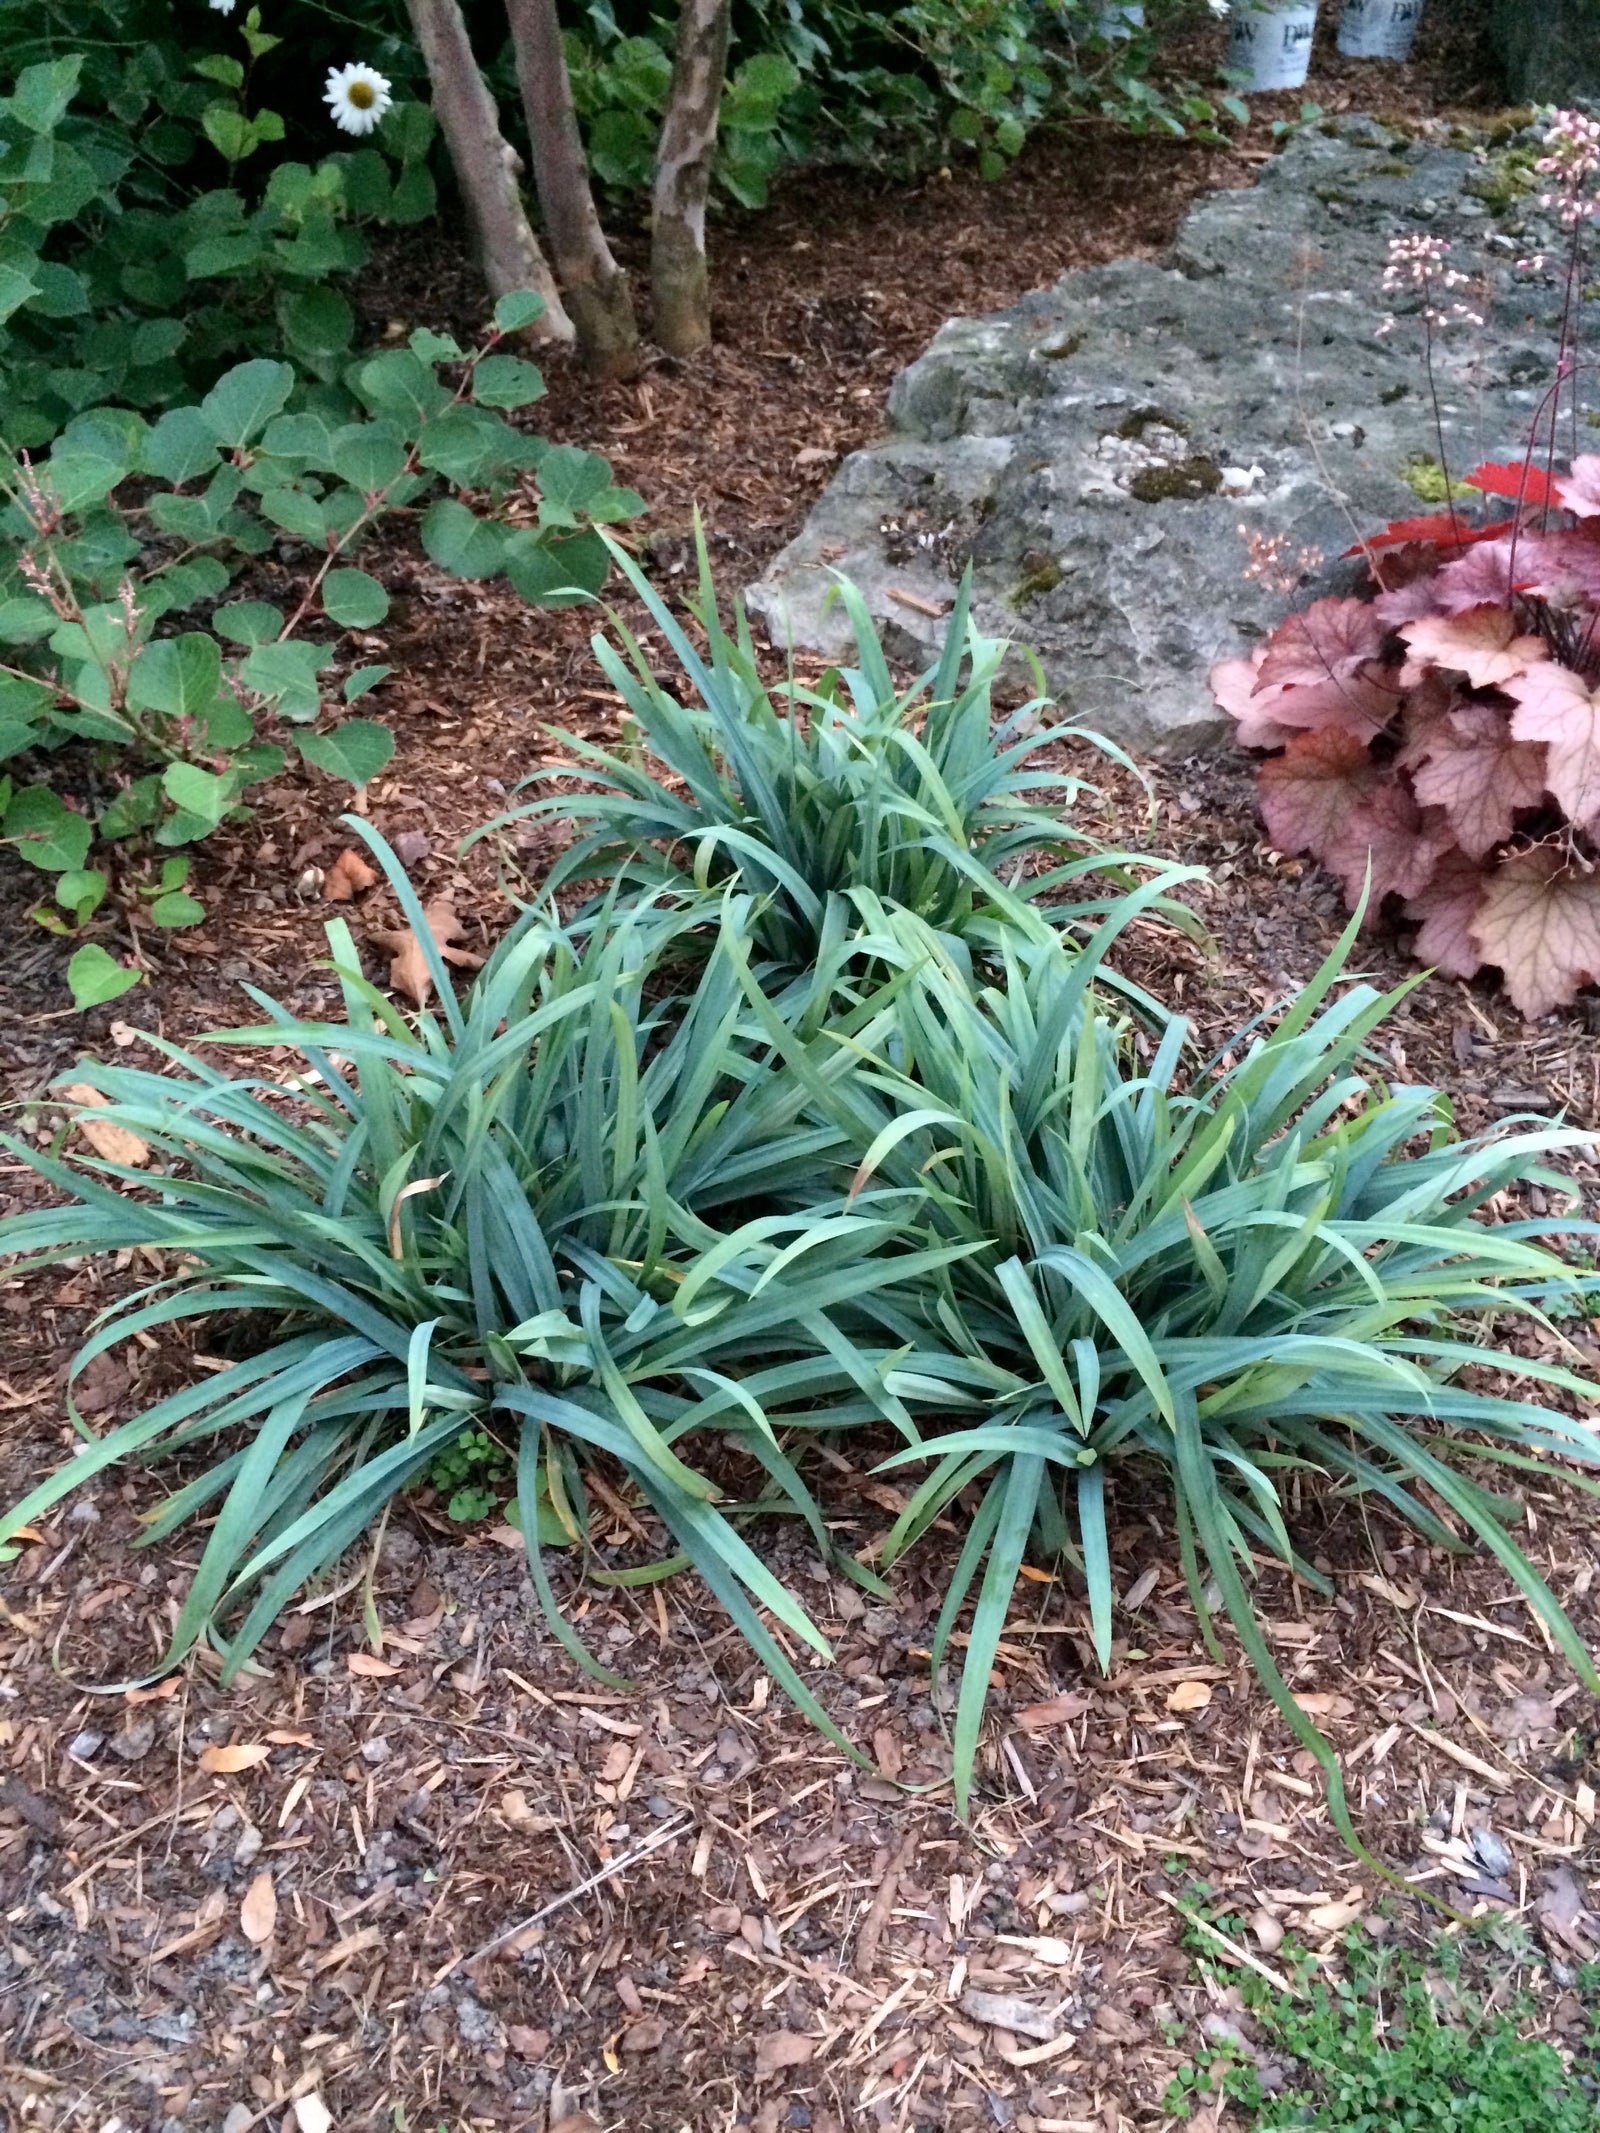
(95, 978)
(352, 598)
(177, 908)
(518, 308)
(355, 751)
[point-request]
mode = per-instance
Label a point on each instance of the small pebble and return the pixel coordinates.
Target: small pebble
(83, 1745)
(376, 1751)
(135, 1741)
(1492, 1854)
(1268, 1932)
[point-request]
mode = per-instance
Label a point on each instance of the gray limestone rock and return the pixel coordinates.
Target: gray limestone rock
(1102, 452)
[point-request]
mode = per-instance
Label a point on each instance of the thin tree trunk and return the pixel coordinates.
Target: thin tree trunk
(486, 165)
(678, 280)
(595, 287)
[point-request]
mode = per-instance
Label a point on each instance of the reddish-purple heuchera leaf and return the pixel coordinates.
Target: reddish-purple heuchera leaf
(1556, 706)
(1325, 795)
(1481, 574)
(1333, 639)
(1404, 601)
(1358, 704)
(1481, 642)
(1472, 767)
(1540, 922)
(1447, 908)
(1579, 490)
(1308, 793)
(1233, 684)
(1388, 845)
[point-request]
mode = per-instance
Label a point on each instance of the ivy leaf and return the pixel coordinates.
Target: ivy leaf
(1556, 705)
(355, 751)
(1333, 639)
(1481, 642)
(1540, 923)
(1472, 767)
(95, 978)
(1448, 909)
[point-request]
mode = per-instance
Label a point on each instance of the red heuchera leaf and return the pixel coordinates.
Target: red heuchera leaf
(1564, 567)
(1480, 642)
(1326, 795)
(1360, 704)
(1389, 842)
(1521, 480)
(1579, 490)
(1540, 922)
(1405, 602)
(1441, 528)
(1233, 684)
(1479, 775)
(1447, 908)
(1307, 794)
(1555, 705)
(1332, 640)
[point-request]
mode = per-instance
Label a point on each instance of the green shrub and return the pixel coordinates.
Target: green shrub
(127, 528)
(118, 284)
(1402, 2043)
(832, 802)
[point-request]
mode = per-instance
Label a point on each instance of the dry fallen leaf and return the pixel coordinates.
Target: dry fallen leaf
(227, 1762)
(408, 966)
(114, 1142)
(258, 1913)
(528, 2043)
(780, 2048)
(1323, 1703)
(1059, 1711)
(1190, 1696)
(370, 1667)
(158, 1691)
(576, 2122)
(1334, 1917)
(348, 873)
(1268, 1932)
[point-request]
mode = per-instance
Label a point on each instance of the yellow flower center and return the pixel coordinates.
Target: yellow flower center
(360, 94)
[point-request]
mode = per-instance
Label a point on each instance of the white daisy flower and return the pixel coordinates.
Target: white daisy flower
(1219, 8)
(221, 7)
(357, 96)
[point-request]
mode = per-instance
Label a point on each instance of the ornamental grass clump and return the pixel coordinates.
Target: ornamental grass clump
(827, 802)
(557, 1212)
(1226, 1273)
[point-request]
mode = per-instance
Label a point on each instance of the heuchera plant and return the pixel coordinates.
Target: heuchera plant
(1442, 727)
